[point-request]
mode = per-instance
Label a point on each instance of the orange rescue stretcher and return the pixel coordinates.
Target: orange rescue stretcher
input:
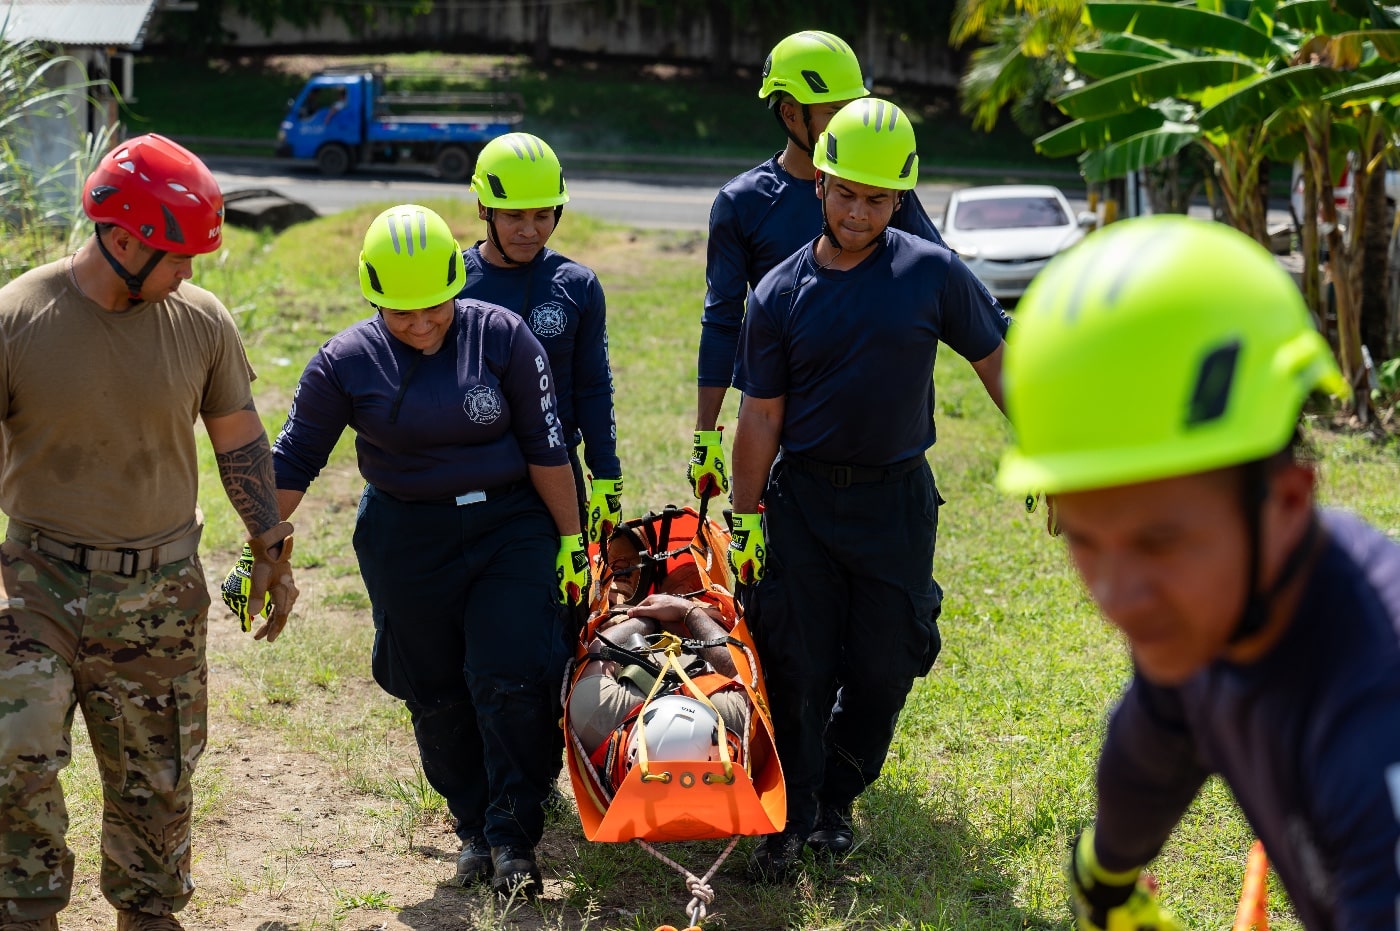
(678, 551)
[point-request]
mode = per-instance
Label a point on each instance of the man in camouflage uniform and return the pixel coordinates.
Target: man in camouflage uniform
(105, 361)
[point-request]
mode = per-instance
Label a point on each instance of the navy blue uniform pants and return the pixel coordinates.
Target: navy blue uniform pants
(470, 635)
(847, 604)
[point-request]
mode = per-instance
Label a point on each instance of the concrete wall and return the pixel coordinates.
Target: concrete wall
(50, 142)
(632, 29)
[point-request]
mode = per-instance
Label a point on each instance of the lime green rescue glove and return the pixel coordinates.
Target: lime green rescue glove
(1105, 901)
(747, 550)
(571, 569)
(604, 508)
(708, 476)
(236, 586)
(1052, 519)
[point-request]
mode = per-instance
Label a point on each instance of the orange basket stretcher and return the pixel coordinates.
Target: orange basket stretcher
(680, 550)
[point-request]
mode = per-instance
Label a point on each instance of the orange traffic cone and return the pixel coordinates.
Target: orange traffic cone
(1253, 913)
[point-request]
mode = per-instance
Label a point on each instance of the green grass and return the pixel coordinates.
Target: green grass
(579, 106)
(992, 768)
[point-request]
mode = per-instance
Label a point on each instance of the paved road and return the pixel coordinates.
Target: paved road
(679, 202)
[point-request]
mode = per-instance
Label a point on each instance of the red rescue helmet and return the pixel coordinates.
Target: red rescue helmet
(160, 192)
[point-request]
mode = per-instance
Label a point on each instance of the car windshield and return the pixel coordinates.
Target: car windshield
(1004, 213)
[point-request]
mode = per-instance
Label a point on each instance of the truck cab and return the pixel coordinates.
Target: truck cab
(354, 116)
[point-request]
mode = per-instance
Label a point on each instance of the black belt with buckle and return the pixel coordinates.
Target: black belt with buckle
(844, 476)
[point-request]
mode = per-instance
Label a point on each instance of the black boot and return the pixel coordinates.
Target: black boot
(776, 858)
(832, 836)
(516, 872)
(474, 862)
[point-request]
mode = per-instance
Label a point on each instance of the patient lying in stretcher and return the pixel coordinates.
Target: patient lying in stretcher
(613, 684)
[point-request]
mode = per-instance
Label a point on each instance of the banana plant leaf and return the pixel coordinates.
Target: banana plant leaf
(1102, 63)
(1134, 89)
(1184, 27)
(1316, 16)
(1255, 100)
(1073, 138)
(1140, 151)
(1386, 89)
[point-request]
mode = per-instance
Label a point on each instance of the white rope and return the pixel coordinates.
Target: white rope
(701, 893)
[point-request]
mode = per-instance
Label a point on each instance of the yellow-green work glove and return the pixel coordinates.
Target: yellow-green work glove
(708, 476)
(604, 508)
(1107, 901)
(236, 586)
(747, 550)
(1052, 519)
(571, 569)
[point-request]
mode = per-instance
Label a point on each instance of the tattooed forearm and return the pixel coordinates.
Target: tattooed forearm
(247, 476)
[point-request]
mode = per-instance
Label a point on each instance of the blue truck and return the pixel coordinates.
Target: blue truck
(353, 116)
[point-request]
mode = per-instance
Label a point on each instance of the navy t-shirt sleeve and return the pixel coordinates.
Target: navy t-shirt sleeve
(726, 286)
(528, 385)
(593, 385)
(1357, 806)
(974, 323)
(761, 370)
(1149, 773)
(912, 218)
(320, 412)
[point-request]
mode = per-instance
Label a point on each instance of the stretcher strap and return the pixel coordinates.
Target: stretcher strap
(701, 893)
(672, 646)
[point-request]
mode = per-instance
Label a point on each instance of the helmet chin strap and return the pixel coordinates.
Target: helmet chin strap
(807, 146)
(496, 239)
(134, 281)
(1258, 602)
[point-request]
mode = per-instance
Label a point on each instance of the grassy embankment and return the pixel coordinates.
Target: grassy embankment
(990, 774)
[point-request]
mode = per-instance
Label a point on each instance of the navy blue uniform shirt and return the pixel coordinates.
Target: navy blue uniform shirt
(567, 313)
(757, 220)
(1307, 737)
(470, 416)
(853, 351)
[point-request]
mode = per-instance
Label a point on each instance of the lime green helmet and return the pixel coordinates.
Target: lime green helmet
(814, 67)
(519, 171)
(1157, 347)
(869, 141)
(410, 260)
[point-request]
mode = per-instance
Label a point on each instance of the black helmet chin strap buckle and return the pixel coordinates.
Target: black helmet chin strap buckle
(133, 280)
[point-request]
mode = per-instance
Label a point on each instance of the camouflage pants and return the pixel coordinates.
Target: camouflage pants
(130, 652)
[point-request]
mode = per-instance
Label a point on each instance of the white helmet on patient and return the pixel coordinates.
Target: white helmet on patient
(677, 727)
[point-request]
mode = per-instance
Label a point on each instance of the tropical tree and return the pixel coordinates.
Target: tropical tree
(1247, 83)
(1021, 60)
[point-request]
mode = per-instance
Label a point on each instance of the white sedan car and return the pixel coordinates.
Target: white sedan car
(1005, 233)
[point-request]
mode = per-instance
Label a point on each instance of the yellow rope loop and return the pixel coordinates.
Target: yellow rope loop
(668, 643)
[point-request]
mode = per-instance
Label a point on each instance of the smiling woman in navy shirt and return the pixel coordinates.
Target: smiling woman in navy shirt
(469, 515)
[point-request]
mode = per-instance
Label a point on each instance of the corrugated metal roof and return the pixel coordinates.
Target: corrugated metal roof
(78, 22)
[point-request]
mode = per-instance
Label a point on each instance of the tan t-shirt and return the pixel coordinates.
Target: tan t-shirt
(98, 408)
